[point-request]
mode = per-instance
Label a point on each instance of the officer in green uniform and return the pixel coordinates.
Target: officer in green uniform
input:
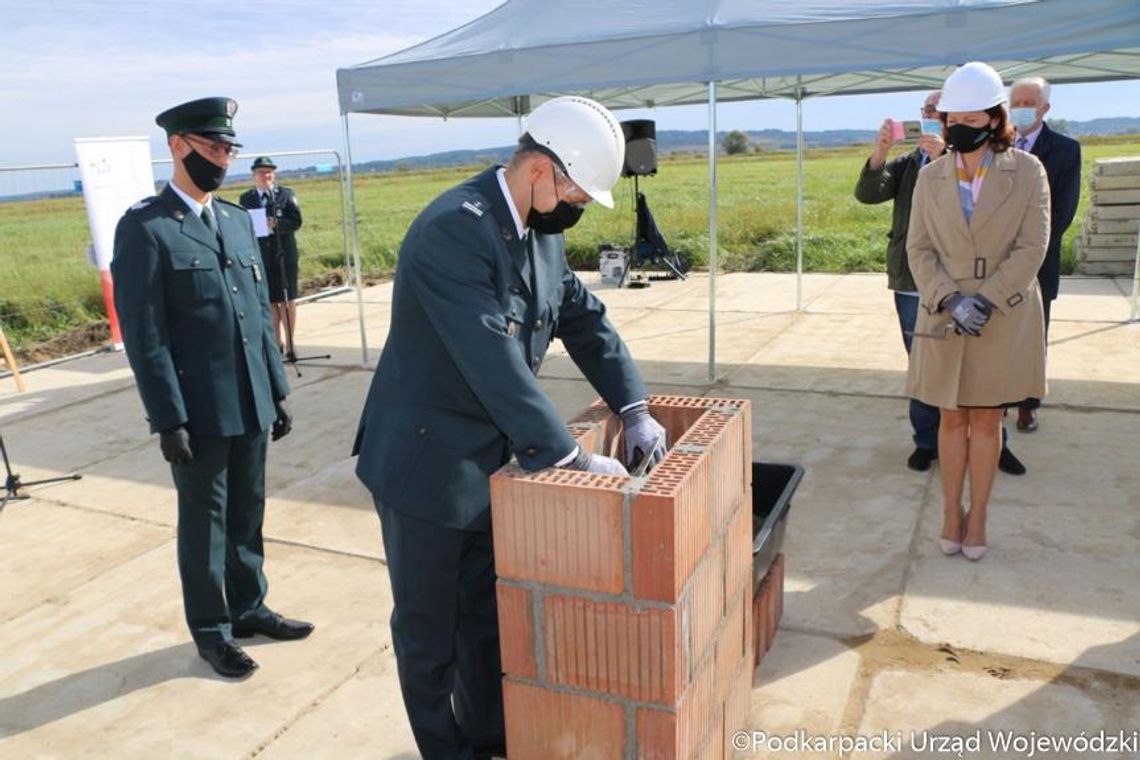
(191, 295)
(482, 288)
(279, 247)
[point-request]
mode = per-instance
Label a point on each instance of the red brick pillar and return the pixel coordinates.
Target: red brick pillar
(625, 604)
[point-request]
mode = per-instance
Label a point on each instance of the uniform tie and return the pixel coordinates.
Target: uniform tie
(208, 219)
(1021, 143)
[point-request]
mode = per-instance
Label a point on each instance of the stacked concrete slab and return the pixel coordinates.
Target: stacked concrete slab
(1108, 242)
(625, 603)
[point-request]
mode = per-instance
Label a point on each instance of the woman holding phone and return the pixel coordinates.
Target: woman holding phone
(978, 229)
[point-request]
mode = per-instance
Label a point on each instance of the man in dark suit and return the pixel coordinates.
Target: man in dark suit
(191, 296)
(1061, 157)
(279, 247)
(482, 288)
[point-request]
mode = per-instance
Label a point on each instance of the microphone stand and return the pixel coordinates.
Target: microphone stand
(274, 212)
(12, 483)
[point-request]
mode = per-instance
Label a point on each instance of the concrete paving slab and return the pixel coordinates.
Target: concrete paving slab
(1091, 299)
(63, 384)
(363, 718)
(853, 516)
(1058, 583)
(744, 291)
(960, 706)
(107, 670)
(803, 683)
(1093, 364)
(858, 293)
(660, 294)
(49, 550)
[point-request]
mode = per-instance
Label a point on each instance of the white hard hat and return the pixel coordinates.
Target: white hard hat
(586, 138)
(974, 86)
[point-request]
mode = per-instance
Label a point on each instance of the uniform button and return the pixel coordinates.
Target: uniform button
(234, 288)
(423, 430)
(194, 263)
(538, 323)
(245, 341)
(531, 451)
(229, 262)
(536, 358)
(241, 315)
(516, 289)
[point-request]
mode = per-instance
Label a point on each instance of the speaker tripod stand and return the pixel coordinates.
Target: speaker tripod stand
(13, 484)
(273, 211)
(649, 245)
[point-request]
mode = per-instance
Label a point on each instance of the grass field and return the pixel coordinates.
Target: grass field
(46, 286)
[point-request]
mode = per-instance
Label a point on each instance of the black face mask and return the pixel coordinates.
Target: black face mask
(564, 216)
(205, 174)
(966, 139)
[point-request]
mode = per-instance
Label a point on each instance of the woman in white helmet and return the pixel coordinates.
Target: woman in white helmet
(482, 288)
(978, 231)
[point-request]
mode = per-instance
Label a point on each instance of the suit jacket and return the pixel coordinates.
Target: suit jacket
(455, 391)
(895, 181)
(996, 254)
(1061, 157)
(195, 318)
(287, 210)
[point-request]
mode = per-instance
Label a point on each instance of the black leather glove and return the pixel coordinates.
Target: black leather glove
(284, 422)
(175, 444)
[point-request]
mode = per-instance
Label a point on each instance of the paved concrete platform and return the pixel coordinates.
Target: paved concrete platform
(881, 633)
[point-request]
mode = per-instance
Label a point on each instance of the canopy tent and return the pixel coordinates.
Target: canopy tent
(655, 53)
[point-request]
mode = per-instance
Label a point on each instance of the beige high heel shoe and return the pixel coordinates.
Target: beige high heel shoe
(974, 553)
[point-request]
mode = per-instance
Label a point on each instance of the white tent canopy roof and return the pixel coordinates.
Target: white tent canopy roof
(649, 53)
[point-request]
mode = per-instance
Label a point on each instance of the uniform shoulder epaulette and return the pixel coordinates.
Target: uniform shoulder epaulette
(140, 205)
(473, 207)
(229, 203)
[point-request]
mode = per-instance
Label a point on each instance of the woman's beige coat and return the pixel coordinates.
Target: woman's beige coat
(996, 255)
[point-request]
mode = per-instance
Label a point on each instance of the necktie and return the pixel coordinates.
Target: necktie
(208, 220)
(1021, 143)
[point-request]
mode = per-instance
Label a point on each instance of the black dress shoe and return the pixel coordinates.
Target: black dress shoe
(920, 459)
(275, 627)
(229, 660)
(490, 753)
(1010, 464)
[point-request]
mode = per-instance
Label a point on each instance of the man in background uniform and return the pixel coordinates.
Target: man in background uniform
(1061, 157)
(482, 288)
(279, 248)
(191, 295)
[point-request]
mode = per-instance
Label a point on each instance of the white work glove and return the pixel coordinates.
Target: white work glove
(643, 435)
(595, 463)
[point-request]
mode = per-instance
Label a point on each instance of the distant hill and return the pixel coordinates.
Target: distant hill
(696, 141)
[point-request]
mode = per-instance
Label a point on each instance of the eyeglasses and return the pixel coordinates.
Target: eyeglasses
(574, 189)
(216, 148)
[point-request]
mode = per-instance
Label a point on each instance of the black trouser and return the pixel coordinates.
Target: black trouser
(1046, 307)
(221, 506)
(445, 631)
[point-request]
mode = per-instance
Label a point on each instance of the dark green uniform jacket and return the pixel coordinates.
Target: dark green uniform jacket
(195, 318)
(455, 391)
(895, 181)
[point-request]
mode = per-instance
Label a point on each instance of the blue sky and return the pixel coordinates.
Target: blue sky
(91, 68)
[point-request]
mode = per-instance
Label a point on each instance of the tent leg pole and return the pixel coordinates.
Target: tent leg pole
(1136, 287)
(799, 198)
(355, 244)
(712, 232)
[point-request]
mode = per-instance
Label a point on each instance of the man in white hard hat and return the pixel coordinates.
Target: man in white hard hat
(482, 288)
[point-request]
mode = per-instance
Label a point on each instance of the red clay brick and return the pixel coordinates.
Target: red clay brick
(737, 707)
(669, 526)
(719, 433)
(730, 651)
(516, 631)
(656, 735)
(613, 648)
(702, 607)
(559, 527)
(548, 725)
(698, 712)
(738, 552)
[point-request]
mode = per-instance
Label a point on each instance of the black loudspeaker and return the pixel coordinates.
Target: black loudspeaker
(640, 148)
